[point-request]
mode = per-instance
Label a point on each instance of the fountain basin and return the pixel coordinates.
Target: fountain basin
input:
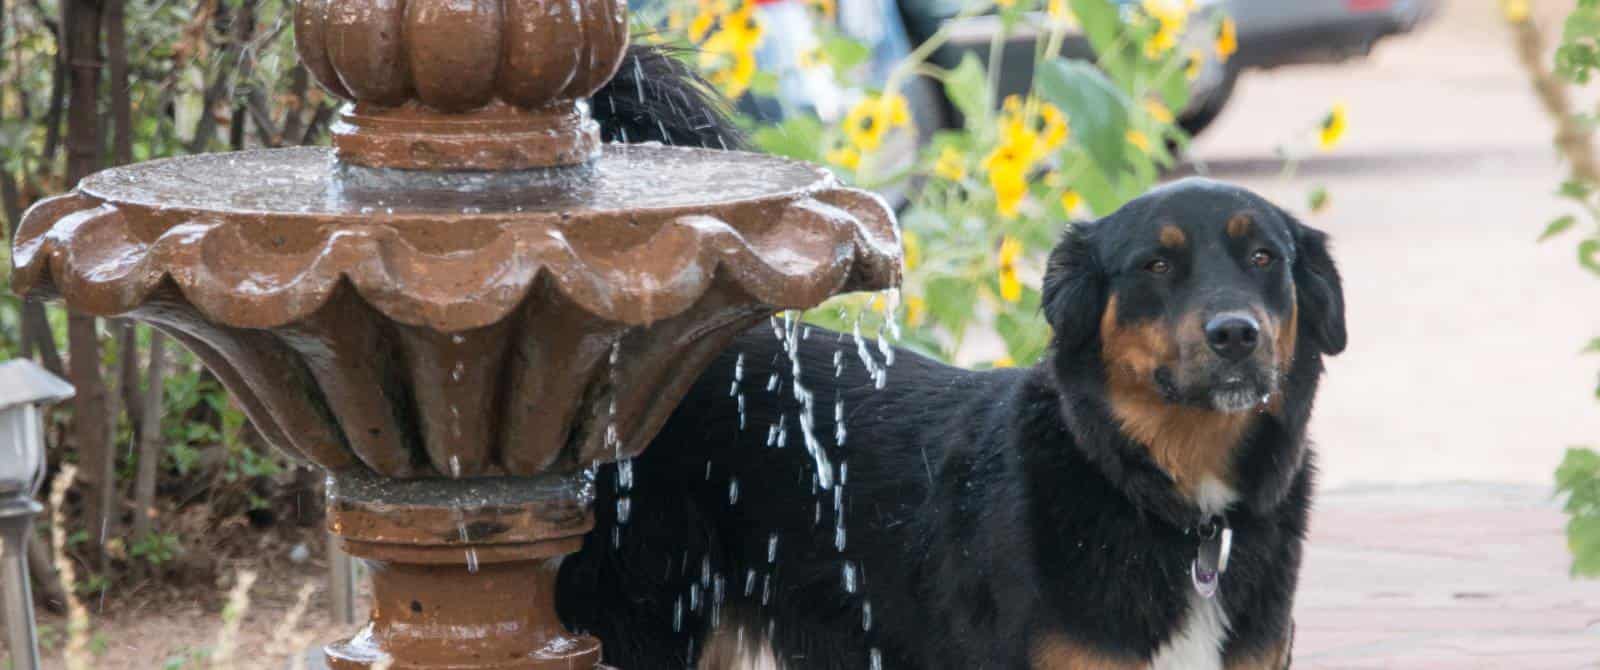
(501, 324)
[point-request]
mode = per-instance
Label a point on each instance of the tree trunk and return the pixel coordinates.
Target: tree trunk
(150, 440)
(91, 418)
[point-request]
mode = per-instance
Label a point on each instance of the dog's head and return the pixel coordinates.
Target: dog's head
(1199, 294)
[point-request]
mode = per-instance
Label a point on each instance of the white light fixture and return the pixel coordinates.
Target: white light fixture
(24, 388)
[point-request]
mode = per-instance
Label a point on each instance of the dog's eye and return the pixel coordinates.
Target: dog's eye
(1157, 267)
(1261, 258)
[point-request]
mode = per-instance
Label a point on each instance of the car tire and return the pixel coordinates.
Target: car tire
(1196, 120)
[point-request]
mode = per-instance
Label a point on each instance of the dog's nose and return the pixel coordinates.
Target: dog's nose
(1232, 336)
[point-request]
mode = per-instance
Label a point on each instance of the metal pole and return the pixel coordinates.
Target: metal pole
(341, 583)
(16, 524)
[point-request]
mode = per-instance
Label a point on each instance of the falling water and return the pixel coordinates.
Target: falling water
(772, 548)
(849, 577)
(866, 616)
(877, 659)
(733, 491)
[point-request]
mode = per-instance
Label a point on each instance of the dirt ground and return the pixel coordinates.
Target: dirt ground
(1462, 366)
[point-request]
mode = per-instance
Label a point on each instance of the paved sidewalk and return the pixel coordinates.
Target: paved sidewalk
(1443, 576)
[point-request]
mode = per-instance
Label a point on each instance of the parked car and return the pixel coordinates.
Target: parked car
(1271, 33)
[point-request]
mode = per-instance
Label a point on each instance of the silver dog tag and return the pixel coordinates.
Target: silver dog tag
(1211, 561)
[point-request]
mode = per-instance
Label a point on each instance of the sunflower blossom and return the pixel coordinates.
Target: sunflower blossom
(1227, 42)
(951, 165)
(1331, 131)
(845, 157)
(1170, 17)
(1010, 253)
(872, 118)
(911, 244)
(916, 310)
(1139, 140)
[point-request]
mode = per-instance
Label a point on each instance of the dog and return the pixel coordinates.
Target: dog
(1137, 499)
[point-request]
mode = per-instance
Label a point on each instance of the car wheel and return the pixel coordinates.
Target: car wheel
(1195, 119)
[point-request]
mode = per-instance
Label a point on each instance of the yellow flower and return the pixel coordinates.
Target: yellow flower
(828, 8)
(1227, 38)
(1515, 11)
(1170, 17)
(1008, 175)
(1071, 201)
(1010, 253)
(812, 58)
(1005, 362)
(1158, 111)
(952, 165)
(730, 73)
(845, 157)
(1139, 140)
(1331, 131)
(873, 117)
(916, 309)
(1054, 129)
(1059, 12)
(912, 245)
(1005, 4)
(1191, 66)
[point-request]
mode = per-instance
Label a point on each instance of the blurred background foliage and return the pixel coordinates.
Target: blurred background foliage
(1576, 62)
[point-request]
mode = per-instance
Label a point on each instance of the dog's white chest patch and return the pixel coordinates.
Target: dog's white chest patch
(1213, 497)
(1198, 645)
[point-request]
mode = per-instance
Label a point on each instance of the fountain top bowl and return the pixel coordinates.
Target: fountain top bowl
(457, 324)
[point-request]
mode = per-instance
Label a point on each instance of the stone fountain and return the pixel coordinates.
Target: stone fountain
(465, 304)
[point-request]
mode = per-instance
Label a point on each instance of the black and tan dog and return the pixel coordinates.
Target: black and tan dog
(1138, 499)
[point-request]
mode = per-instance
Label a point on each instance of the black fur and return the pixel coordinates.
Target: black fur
(979, 510)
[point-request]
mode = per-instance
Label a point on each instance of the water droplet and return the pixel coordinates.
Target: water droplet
(624, 509)
(733, 492)
(472, 561)
(877, 659)
(849, 577)
(772, 548)
(866, 616)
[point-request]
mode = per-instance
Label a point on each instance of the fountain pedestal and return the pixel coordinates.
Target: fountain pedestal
(463, 572)
(455, 318)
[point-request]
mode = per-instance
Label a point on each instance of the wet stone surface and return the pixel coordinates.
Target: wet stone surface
(309, 182)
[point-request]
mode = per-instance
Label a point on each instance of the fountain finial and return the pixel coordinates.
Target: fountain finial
(463, 84)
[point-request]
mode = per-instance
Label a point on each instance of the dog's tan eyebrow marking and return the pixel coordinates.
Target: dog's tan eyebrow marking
(1172, 236)
(1239, 225)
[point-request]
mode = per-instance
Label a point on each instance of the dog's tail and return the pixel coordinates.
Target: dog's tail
(657, 97)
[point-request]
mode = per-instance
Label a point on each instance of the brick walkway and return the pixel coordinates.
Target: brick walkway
(1443, 576)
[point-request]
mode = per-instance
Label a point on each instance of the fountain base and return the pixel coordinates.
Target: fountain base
(463, 572)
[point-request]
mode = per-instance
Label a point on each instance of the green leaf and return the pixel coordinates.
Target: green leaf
(764, 84)
(1099, 21)
(1557, 227)
(967, 87)
(1575, 190)
(951, 301)
(845, 53)
(798, 137)
(1097, 191)
(1096, 110)
(1593, 347)
(1589, 255)
(1318, 199)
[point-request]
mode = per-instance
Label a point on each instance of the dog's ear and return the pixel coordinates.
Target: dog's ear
(1074, 294)
(1317, 285)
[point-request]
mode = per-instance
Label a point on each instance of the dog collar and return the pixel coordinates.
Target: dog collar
(1211, 559)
